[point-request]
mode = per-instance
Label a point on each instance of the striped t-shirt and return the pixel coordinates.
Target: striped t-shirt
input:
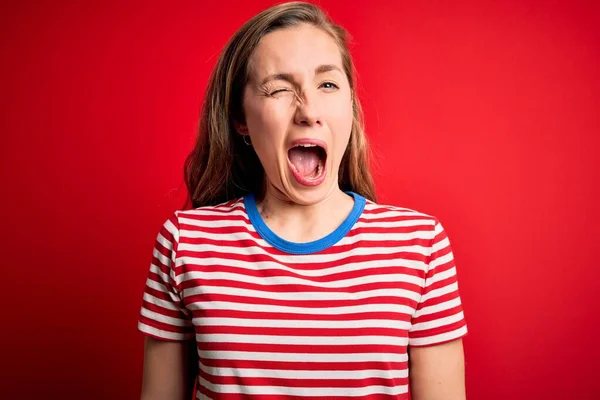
(330, 319)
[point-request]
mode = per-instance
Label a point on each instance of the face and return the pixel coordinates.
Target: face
(298, 110)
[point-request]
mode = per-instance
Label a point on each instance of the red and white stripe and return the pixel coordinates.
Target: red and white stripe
(330, 325)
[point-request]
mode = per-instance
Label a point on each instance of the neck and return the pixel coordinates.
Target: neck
(304, 223)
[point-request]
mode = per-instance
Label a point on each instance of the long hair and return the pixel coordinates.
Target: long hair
(221, 167)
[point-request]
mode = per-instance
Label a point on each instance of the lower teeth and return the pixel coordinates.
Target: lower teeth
(317, 172)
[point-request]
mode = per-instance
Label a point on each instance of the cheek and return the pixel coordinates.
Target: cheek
(342, 118)
(265, 126)
(266, 123)
(340, 109)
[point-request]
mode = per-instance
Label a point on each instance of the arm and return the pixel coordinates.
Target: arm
(169, 370)
(170, 354)
(436, 356)
(438, 372)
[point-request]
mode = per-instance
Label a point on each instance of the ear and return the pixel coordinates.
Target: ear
(240, 128)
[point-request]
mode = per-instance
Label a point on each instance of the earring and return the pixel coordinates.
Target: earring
(247, 140)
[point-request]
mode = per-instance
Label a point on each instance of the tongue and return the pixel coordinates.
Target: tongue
(305, 159)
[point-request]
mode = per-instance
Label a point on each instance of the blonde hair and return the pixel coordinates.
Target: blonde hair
(221, 167)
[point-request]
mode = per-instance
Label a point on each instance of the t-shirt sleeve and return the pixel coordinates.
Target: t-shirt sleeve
(163, 314)
(439, 316)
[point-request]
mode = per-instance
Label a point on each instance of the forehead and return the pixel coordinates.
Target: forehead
(294, 50)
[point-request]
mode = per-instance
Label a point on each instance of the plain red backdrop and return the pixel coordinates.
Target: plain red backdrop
(484, 114)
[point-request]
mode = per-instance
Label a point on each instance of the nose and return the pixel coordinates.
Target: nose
(307, 110)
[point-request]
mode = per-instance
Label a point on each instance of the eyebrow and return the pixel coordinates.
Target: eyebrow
(321, 69)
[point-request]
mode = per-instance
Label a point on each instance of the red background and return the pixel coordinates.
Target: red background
(483, 114)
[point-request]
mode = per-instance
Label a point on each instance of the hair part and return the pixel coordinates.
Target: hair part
(221, 167)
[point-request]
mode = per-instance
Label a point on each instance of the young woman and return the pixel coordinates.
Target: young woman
(285, 279)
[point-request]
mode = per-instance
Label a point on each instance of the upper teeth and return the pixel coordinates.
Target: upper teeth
(307, 145)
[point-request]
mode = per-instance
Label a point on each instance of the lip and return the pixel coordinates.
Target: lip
(301, 179)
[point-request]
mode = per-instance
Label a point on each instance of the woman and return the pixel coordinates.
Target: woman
(285, 279)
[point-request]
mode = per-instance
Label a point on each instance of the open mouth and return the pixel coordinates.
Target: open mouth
(307, 161)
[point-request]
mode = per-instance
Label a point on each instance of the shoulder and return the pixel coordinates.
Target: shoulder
(406, 225)
(394, 218)
(183, 222)
(379, 211)
(182, 225)
(229, 208)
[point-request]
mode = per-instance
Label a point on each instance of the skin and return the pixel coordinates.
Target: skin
(438, 372)
(297, 90)
(169, 370)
